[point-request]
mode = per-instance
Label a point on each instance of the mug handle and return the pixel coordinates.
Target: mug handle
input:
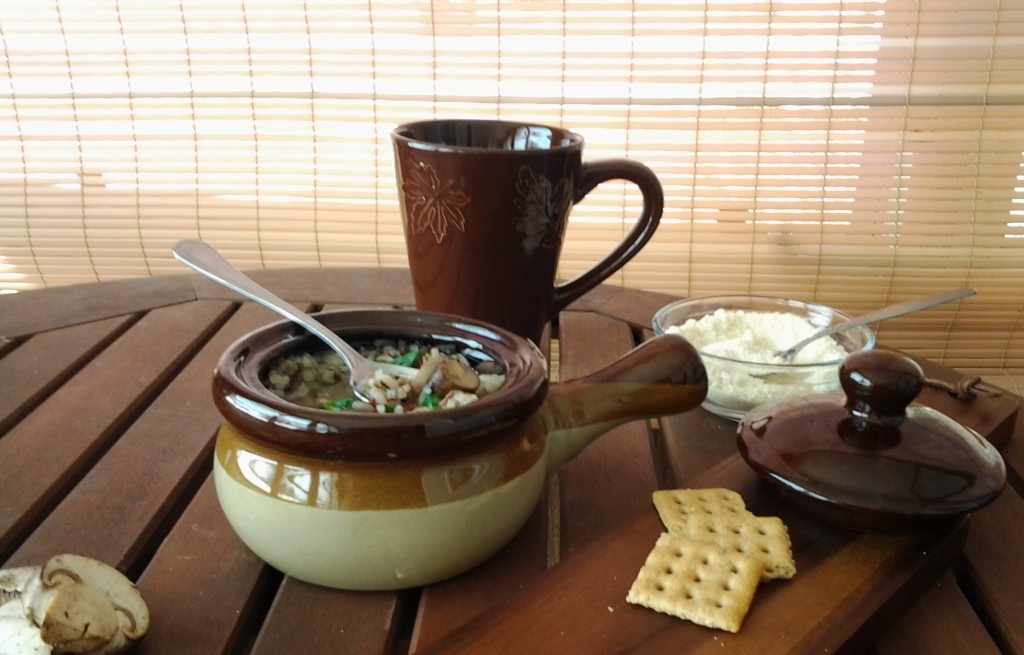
(593, 174)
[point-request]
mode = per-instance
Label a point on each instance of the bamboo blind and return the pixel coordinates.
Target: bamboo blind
(851, 152)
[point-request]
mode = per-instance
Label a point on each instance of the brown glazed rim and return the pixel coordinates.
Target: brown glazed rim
(246, 403)
(406, 132)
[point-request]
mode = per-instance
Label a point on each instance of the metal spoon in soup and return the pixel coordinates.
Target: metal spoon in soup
(204, 259)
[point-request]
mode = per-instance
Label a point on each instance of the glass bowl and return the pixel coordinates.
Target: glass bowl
(736, 347)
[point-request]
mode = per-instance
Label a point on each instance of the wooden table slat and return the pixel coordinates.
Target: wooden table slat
(329, 285)
(995, 562)
(693, 444)
(204, 587)
(613, 478)
(993, 417)
(117, 510)
(74, 304)
(635, 306)
(43, 362)
(51, 449)
(941, 623)
(308, 619)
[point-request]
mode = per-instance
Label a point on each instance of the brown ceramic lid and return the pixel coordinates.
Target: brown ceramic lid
(870, 458)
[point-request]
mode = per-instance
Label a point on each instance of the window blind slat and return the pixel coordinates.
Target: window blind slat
(850, 152)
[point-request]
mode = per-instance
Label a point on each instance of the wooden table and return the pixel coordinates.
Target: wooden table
(106, 432)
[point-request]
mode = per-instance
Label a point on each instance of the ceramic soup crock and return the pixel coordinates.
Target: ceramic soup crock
(372, 502)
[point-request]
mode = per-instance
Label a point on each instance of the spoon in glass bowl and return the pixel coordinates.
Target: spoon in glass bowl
(204, 259)
(891, 311)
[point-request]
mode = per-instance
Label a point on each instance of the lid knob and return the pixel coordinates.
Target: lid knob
(879, 384)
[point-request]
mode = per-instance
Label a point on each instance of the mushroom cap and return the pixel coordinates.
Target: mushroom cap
(131, 610)
(75, 618)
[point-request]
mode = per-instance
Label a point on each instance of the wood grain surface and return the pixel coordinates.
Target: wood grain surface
(106, 434)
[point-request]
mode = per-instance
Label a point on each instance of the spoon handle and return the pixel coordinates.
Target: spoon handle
(203, 259)
(890, 311)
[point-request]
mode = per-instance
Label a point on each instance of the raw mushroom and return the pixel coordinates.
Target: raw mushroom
(70, 604)
(18, 634)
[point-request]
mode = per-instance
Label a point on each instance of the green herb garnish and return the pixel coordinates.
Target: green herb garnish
(337, 405)
(430, 401)
(409, 359)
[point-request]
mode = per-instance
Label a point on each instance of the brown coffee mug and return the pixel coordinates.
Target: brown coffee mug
(485, 204)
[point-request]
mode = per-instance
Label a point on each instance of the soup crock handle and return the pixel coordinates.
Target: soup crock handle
(662, 376)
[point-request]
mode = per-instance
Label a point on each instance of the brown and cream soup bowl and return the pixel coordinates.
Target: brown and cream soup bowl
(385, 501)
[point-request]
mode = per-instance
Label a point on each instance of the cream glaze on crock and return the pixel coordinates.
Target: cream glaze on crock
(377, 525)
(364, 501)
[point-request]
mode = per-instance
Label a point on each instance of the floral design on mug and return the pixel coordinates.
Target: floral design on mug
(431, 204)
(544, 207)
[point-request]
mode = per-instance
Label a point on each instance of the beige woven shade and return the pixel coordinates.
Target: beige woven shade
(854, 152)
